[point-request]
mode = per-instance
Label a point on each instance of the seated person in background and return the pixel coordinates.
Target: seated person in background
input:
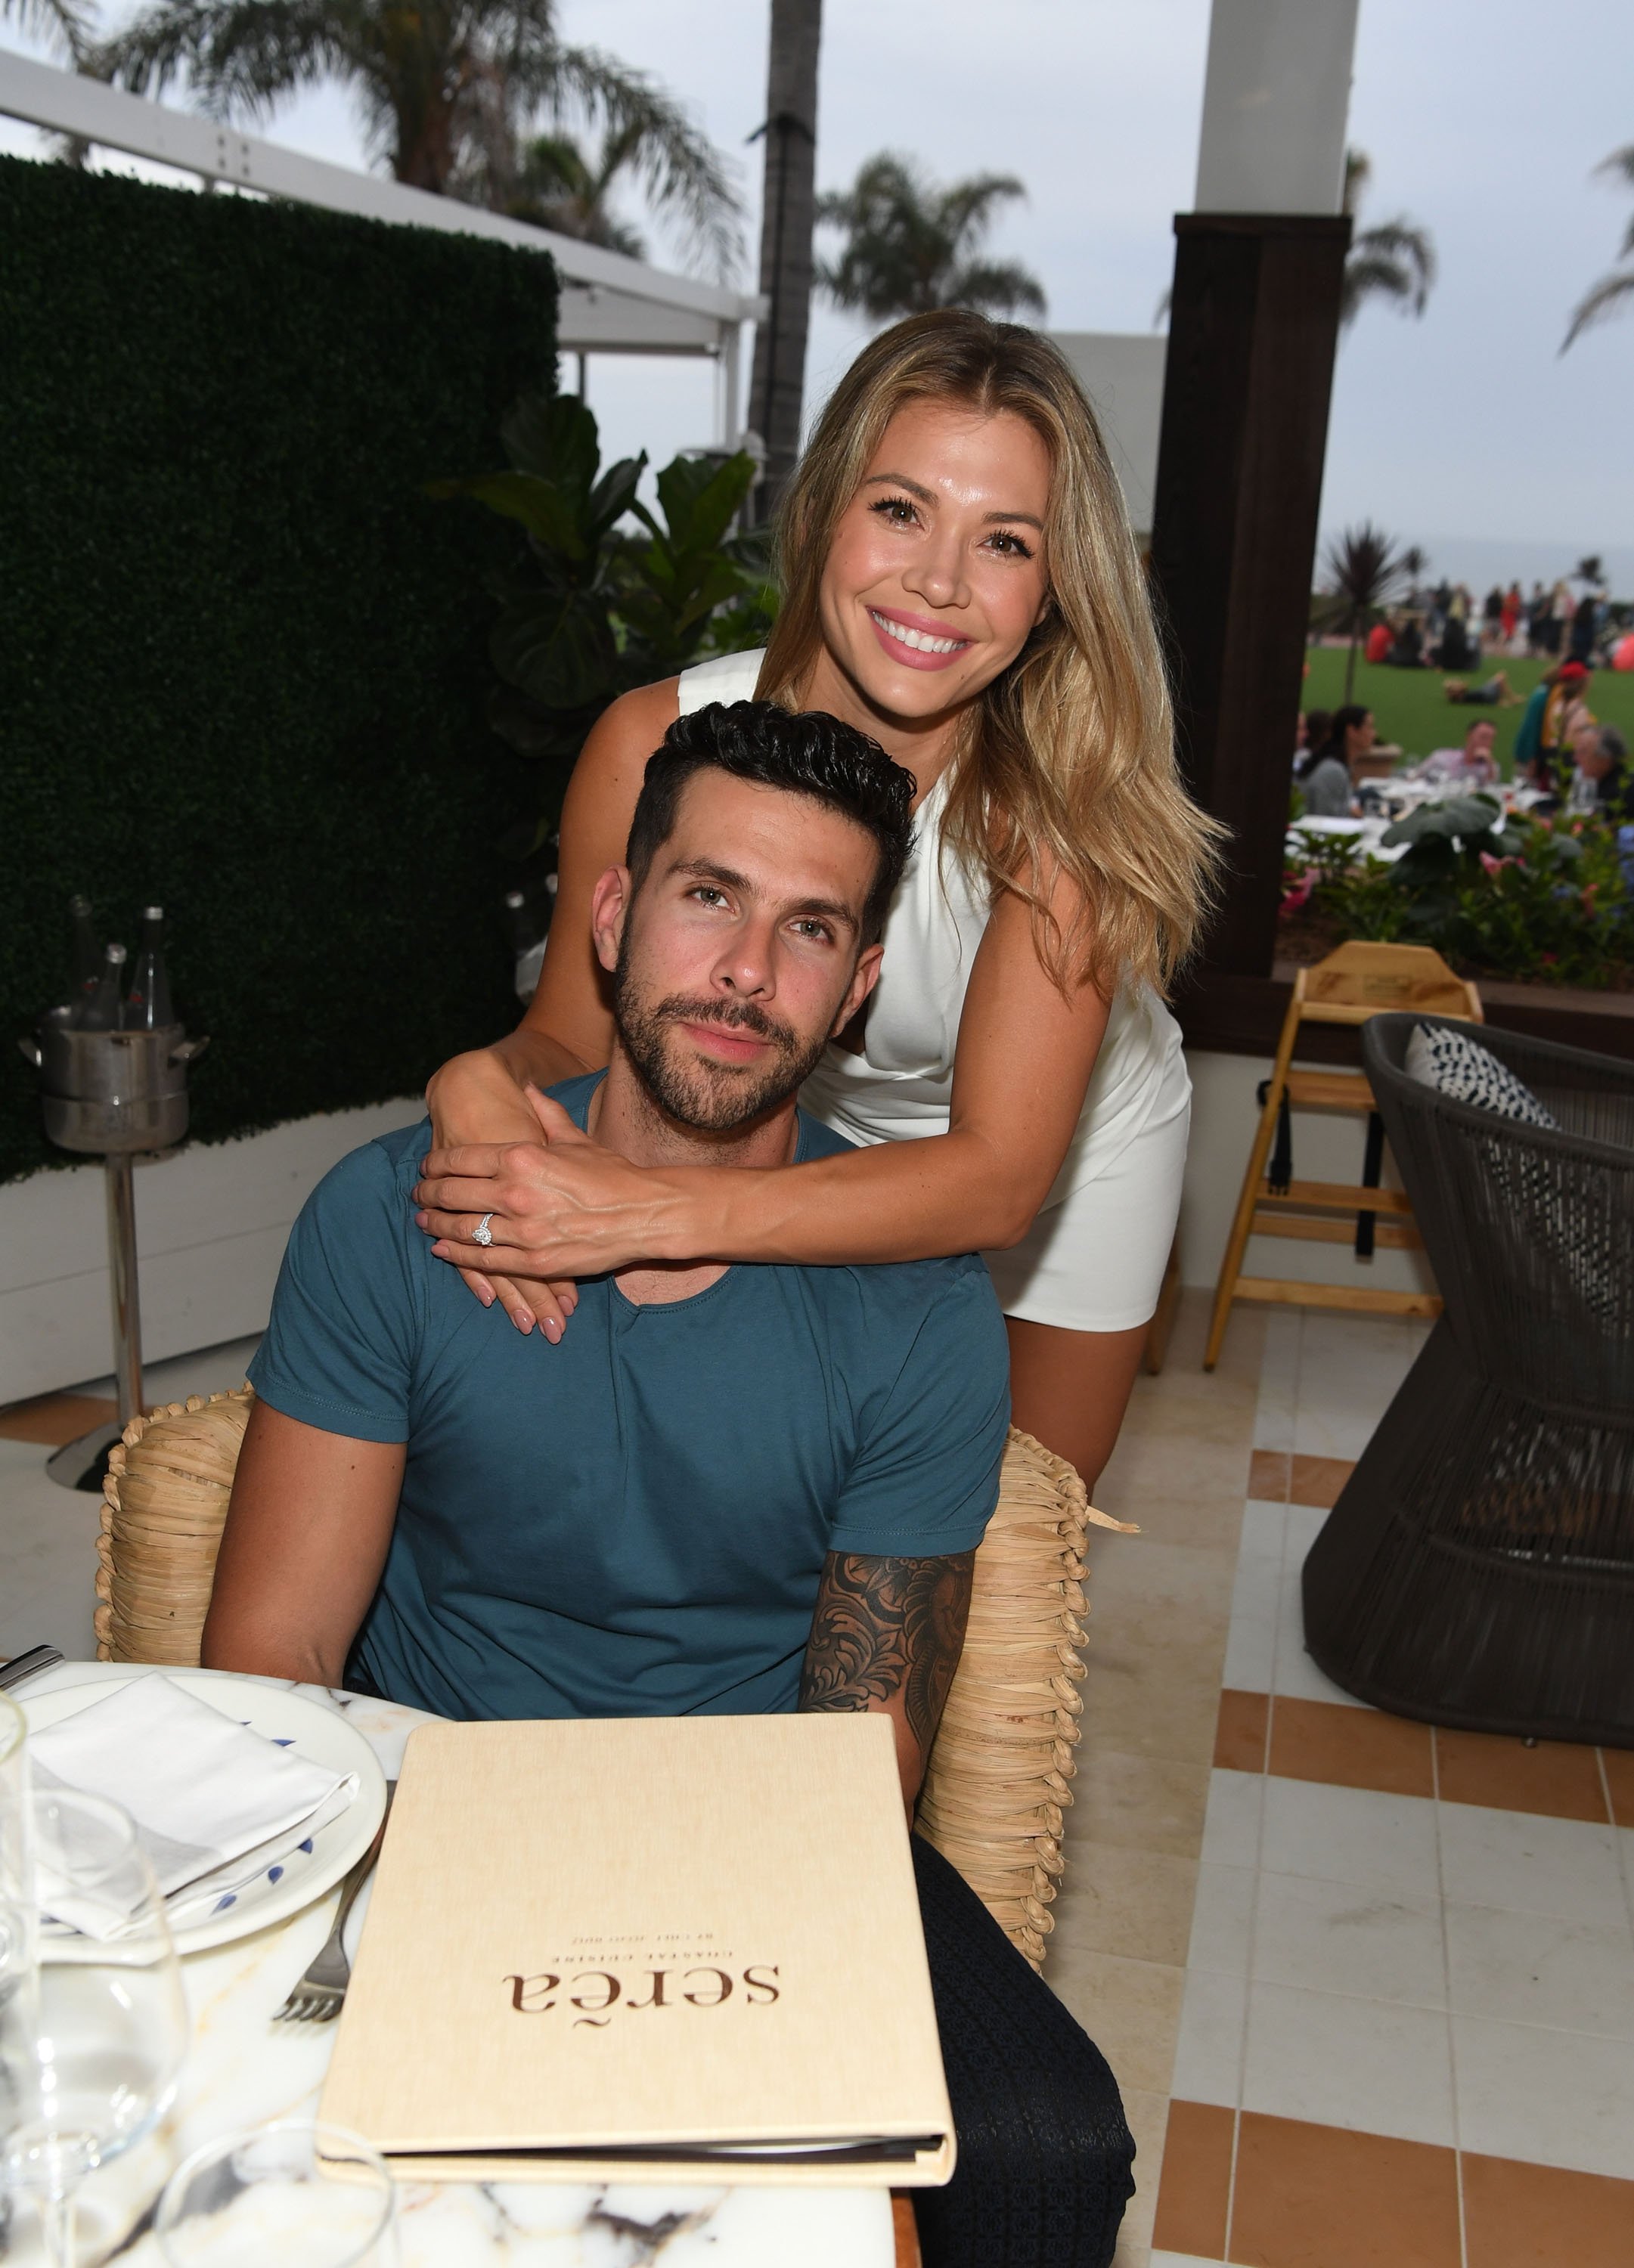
(1312, 731)
(726, 1489)
(1324, 777)
(1472, 765)
(1491, 693)
(1601, 785)
(1408, 651)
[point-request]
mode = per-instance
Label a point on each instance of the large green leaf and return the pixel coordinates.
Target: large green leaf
(547, 515)
(1457, 821)
(700, 496)
(559, 651)
(555, 436)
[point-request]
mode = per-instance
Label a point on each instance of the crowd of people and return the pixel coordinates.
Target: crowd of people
(1444, 629)
(1570, 760)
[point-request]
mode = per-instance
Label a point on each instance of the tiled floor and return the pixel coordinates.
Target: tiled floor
(1405, 2033)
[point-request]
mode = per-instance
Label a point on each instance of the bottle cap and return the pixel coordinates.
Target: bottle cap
(78, 904)
(117, 954)
(514, 898)
(153, 913)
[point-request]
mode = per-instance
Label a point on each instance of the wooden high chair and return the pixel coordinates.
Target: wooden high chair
(1358, 980)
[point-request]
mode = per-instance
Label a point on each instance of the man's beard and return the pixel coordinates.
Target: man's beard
(712, 1098)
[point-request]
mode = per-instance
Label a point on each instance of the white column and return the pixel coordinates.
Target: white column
(1275, 103)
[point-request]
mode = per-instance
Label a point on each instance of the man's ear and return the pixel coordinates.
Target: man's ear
(865, 976)
(609, 907)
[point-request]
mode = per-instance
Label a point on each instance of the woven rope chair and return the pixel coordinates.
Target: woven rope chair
(1478, 1567)
(997, 1780)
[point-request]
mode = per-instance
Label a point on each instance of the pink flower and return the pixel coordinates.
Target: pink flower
(1298, 896)
(1496, 865)
(1549, 959)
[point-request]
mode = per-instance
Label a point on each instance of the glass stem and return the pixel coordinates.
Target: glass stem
(56, 2226)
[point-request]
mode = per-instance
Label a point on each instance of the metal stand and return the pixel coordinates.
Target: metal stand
(116, 1095)
(123, 1285)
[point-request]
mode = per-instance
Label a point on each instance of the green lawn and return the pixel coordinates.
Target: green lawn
(1411, 710)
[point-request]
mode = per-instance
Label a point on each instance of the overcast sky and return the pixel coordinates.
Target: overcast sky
(1484, 119)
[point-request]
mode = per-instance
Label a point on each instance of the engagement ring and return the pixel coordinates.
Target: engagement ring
(482, 1233)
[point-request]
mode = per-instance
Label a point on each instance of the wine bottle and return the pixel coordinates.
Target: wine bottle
(103, 1009)
(84, 955)
(147, 1004)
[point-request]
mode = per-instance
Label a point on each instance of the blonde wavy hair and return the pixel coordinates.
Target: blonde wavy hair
(1066, 766)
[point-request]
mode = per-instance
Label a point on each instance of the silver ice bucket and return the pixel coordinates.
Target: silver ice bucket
(108, 1093)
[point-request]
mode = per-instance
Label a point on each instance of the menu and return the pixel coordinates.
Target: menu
(660, 1950)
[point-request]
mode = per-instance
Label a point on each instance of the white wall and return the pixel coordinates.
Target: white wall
(211, 1223)
(1327, 1147)
(1122, 372)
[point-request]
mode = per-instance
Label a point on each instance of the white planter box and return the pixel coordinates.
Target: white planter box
(211, 1223)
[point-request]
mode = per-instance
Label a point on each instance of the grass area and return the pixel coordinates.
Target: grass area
(1412, 712)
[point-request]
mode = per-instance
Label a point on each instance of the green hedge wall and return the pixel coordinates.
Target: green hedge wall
(242, 658)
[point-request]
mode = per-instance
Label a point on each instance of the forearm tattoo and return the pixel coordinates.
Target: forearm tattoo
(884, 1627)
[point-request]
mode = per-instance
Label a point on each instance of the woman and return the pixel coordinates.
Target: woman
(960, 582)
(1325, 776)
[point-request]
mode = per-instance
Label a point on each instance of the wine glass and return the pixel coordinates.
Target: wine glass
(15, 1874)
(93, 2032)
(297, 2190)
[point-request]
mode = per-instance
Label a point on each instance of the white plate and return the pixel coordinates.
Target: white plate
(321, 1736)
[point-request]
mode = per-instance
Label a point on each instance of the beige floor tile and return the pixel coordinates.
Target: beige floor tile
(1130, 2009)
(1146, 1707)
(1143, 1803)
(1177, 1490)
(1136, 1904)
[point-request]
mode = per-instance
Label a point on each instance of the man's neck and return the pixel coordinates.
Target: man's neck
(624, 1117)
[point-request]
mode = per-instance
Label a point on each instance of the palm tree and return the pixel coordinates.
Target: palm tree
(1590, 568)
(777, 380)
(1395, 260)
(446, 91)
(1365, 572)
(560, 185)
(1612, 288)
(910, 245)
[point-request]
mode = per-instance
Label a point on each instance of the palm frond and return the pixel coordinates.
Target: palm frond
(1395, 260)
(1620, 165)
(1364, 573)
(995, 287)
(64, 22)
(1358, 170)
(1597, 303)
(682, 172)
(239, 58)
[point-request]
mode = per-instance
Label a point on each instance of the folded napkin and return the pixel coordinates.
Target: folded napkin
(215, 1804)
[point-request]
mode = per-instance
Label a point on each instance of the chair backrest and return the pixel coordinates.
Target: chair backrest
(164, 1502)
(1528, 1228)
(1362, 979)
(996, 1784)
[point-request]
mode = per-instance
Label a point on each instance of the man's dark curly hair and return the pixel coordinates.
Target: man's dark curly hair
(810, 754)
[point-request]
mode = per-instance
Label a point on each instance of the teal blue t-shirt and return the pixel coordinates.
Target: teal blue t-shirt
(632, 1522)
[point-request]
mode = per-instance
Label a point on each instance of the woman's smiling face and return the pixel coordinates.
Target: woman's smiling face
(937, 574)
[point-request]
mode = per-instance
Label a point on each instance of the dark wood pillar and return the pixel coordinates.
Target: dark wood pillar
(1253, 327)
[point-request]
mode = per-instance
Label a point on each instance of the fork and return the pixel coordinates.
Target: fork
(315, 1998)
(31, 1664)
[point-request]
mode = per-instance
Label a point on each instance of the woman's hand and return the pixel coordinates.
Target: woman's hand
(475, 1092)
(562, 1207)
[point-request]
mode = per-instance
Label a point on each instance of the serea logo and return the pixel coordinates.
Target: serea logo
(598, 1991)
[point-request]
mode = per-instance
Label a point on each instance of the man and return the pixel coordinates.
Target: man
(727, 1489)
(1602, 787)
(1471, 766)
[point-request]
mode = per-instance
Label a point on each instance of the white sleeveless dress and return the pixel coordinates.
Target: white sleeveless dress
(1094, 1259)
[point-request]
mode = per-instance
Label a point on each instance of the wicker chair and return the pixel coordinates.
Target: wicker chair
(996, 1784)
(1478, 1568)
